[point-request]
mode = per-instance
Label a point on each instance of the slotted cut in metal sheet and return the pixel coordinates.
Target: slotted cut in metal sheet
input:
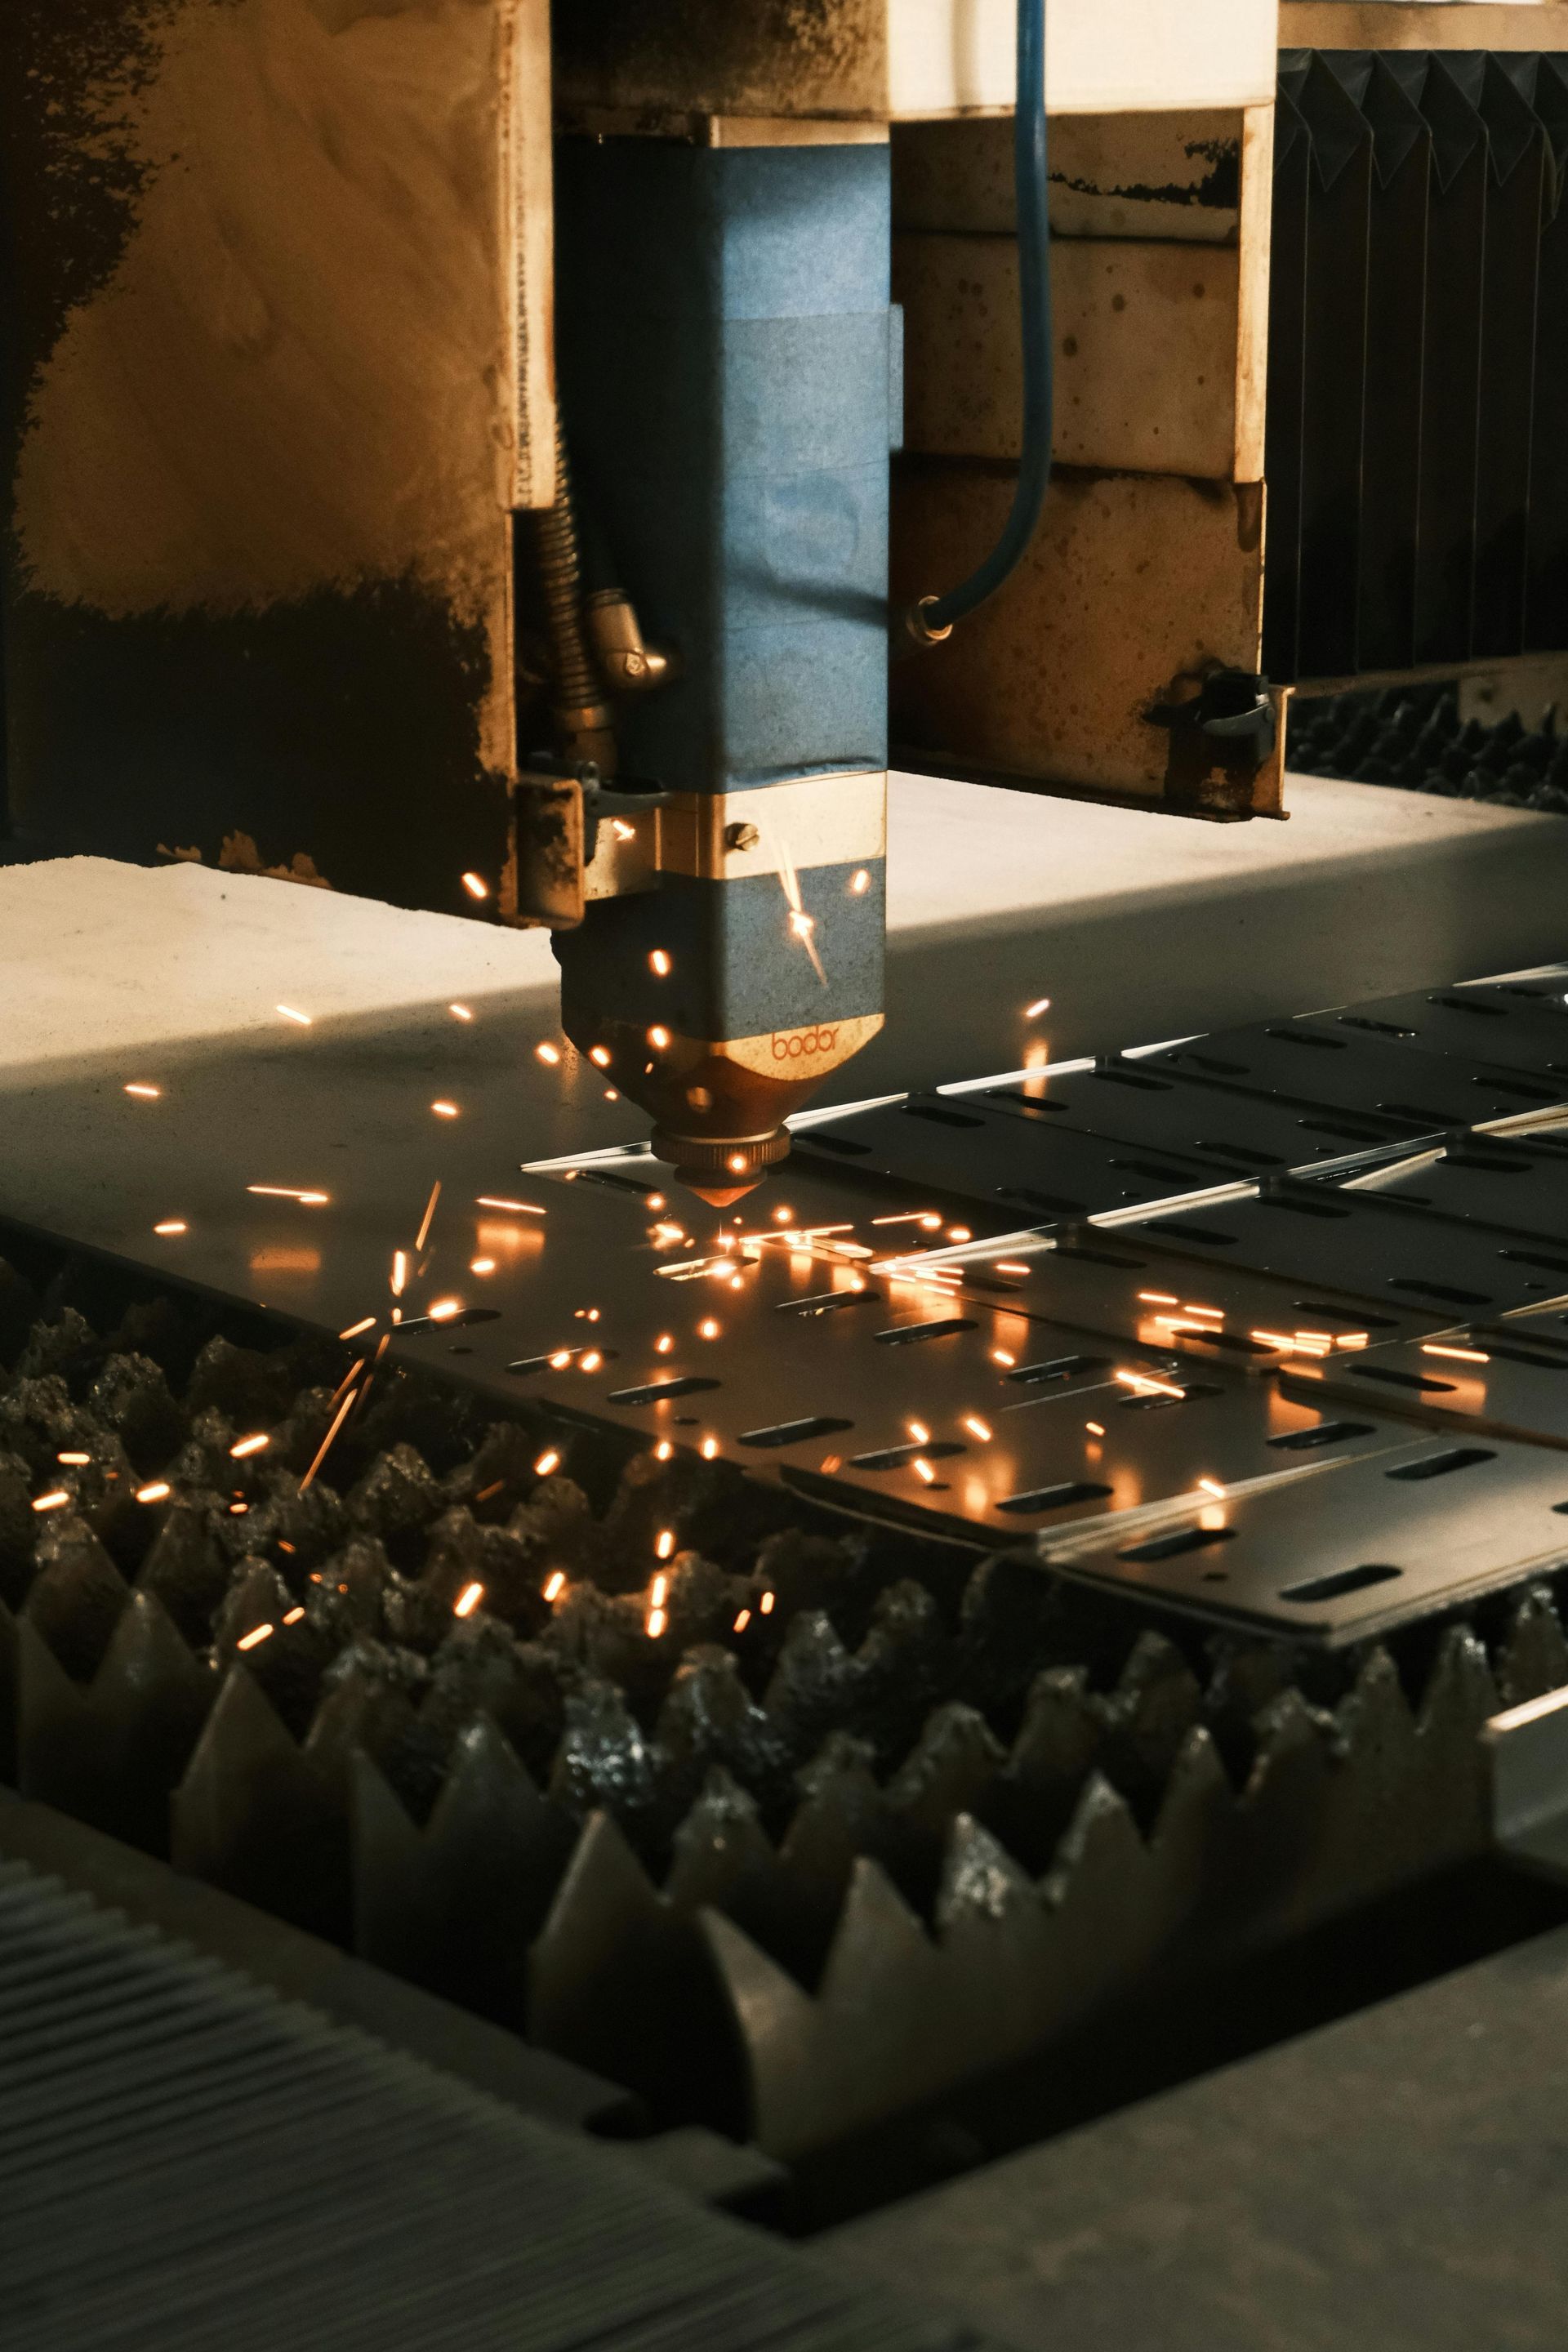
(965, 1146)
(1323, 1059)
(1484, 1182)
(1308, 1235)
(1512, 1379)
(1235, 1135)
(1516, 1024)
(1340, 1557)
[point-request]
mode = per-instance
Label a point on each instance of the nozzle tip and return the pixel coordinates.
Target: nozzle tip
(720, 1169)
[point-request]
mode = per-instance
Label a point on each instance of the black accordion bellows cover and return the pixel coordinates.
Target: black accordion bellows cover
(1417, 443)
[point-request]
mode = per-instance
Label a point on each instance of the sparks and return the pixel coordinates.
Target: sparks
(461, 1011)
(545, 1051)
(294, 1616)
(444, 1109)
(709, 1448)
(289, 1014)
(655, 1622)
(248, 1445)
(783, 1216)
(600, 1054)
(443, 1310)
(659, 961)
(55, 1502)
(1212, 1486)
(802, 924)
(976, 1427)
(663, 1450)
(665, 1543)
(144, 1093)
(481, 1266)
(476, 886)
(1144, 1384)
(74, 1460)
(326, 1445)
(1456, 1355)
(742, 1620)
(560, 1359)
(919, 1432)
(1001, 1356)
(859, 882)
(257, 1635)
(158, 1492)
(548, 1461)
(591, 1361)
(290, 1193)
(1007, 1265)
(1033, 1012)
(708, 1328)
(664, 1343)
(367, 1323)
(1095, 1428)
(467, 1601)
(1159, 1299)
(766, 1603)
(959, 1233)
(923, 1470)
(658, 1038)
(518, 1208)
(659, 1587)
(1191, 1306)
(399, 1272)
(171, 1226)
(553, 1585)
(428, 1219)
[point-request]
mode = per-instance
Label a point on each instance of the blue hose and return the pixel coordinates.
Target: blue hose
(934, 617)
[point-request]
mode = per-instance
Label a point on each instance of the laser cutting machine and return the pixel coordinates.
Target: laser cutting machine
(1085, 1606)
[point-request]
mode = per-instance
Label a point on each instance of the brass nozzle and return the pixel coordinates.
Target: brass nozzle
(720, 1168)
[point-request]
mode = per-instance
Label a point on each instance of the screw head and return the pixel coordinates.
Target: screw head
(741, 836)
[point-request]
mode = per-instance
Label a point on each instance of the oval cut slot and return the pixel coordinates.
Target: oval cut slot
(938, 1115)
(1343, 1580)
(905, 1335)
(828, 1302)
(1438, 1466)
(1400, 1380)
(845, 1144)
(1530, 1356)
(796, 1433)
(1294, 1037)
(1190, 1232)
(1447, 1293)
(1052, 1499)
(893, 1457)
(1327, 1433)
(1171, 1546)
(689, 1384)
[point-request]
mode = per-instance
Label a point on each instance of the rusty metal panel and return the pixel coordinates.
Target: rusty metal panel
(1134, 586)
(1170, 174)
(278, 370)
(1147, 352)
